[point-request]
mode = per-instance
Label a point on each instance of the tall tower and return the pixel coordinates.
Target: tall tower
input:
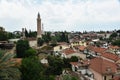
(39, 32)
(23, 33)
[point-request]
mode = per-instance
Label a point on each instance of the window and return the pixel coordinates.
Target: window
(104, 77)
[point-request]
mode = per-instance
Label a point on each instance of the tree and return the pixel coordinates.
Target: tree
(66, 63)
(55, 66)
(118, 31)
(32, 33)
(40, 41)
(17, 34)
(113, 35)
(10, 35)
(21, 47)
(53, 42)
(30, 52)
(26, 33)
(3, 36)
(64, 37)
(61, 36)
(47, 37)
(8, 71)
(74, 59)
(31, 69)
(69, 77)
(116, 42)
(58, 37)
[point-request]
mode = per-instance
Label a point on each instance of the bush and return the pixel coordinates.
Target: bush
(21, 47)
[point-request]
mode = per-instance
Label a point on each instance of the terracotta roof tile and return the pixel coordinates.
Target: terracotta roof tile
(82, 48)
(68, 51)
(103, 66)
(97, 49)
(110, 56)
(114, 47)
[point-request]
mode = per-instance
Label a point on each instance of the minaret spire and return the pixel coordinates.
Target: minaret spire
(39, 32)
(38, 15)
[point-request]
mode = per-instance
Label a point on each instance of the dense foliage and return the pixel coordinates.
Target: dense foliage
(113, 35)
(30, 33)
(3, 36)
(69, 77)
(74, 59)
(46, 37)
(55, 66)
(30, 52)
(61, 37)
(40, 42)
(21, 47)
(31, 69)
(8, 70)
(116, 42)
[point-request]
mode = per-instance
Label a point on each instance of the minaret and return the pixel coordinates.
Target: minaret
(39, 33)
(23, 33)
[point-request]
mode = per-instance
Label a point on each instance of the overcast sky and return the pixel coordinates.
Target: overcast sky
(60, 15)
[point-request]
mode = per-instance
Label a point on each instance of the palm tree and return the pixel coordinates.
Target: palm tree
(8, 71)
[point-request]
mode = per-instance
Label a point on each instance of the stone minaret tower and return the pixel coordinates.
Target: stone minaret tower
(23, 33)
(39, 32)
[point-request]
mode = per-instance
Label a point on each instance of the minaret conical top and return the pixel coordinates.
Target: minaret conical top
(38, 15)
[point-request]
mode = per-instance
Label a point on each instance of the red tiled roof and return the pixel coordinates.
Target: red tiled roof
(90, 47)
(114, 47)
(110, 56)
(90, 34)
(97, 49)
(68, 51)
(82, 48)
(101, 66)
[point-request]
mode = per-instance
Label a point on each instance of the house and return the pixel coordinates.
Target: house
(6, 46)
(68, 53)
(74, 42)
(79, 67)
(13, 40)
(90, 36)
(32, 42)
(82, 68)
(114, 49)
(110, 56)
(81, 48)
(78, 43)
(94, 51)
(102, 69)
(60, 47)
